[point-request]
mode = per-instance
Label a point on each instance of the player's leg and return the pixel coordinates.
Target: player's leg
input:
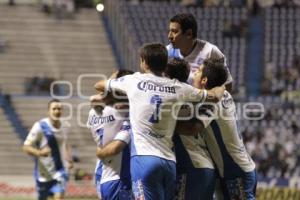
(116, 190)
(169, 170)
(243, 188)
(250, 183)
(43, 189)
(58, 189)
(147, 177)
(196, 184)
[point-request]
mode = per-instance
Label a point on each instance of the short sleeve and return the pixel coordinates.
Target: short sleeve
(122, 84)
(124, 133)
(189, 93)
(34, 135)
(206, 114)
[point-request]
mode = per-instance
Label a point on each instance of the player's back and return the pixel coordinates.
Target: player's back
(224, 140)
(105, 127)
(152, 114)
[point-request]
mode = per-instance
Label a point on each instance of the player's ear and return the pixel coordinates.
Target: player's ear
(204, 81)
(189, 33)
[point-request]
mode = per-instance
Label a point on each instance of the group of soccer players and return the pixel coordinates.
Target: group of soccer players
(167, 132)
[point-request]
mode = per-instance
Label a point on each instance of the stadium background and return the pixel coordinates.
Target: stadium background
(74, 43)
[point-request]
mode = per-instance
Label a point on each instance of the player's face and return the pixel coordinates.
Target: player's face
(175, 36)
(199, 81)
(55, 110)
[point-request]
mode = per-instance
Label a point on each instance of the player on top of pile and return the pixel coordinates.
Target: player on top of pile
(194, 166)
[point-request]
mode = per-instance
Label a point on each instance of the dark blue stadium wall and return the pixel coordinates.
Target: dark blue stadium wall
(112, 41)
(13, 117)
(255, 56)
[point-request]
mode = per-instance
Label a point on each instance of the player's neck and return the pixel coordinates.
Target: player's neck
(148, 71)
(189, 47)
(55, 123)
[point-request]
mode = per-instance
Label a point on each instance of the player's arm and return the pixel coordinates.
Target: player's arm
(113, 148)
(100, 85)
(118, 144)
(192, 94)
(215, 94)
(46, 151)
(32, 138)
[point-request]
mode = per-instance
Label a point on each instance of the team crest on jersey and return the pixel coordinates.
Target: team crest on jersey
(227, 101)
(200, 61)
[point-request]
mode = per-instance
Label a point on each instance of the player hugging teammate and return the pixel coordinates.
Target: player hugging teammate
(169, 158)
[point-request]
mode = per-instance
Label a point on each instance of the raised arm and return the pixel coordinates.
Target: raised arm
(100, 85)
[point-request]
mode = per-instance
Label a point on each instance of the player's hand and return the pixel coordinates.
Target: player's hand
(219, 92)
(96, 98)
(114, 75)
(46, 151)
(215, 94)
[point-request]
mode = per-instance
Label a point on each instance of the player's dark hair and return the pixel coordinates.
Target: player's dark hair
(186, 21)
(155, 56)
(215, 71)
(52, 101)
(123, 72)
(178, 68)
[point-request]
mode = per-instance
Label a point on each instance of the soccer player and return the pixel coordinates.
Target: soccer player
(192, 156)
(110, 129)
(221, 134)
(47, 142)
(151, 99)
(185, 44)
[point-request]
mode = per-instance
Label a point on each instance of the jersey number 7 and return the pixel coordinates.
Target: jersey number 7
(155, 100)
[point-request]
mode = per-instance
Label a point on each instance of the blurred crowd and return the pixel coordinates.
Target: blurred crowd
(274, 142)
(284, 81)
(38, 85)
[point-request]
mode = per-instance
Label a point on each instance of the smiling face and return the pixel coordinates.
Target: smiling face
(55, 110)
(176, 37)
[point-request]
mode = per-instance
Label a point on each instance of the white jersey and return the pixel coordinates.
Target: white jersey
(223, 139)
(153, 110)
(110, 125)
(46, 168)
(202, 51)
